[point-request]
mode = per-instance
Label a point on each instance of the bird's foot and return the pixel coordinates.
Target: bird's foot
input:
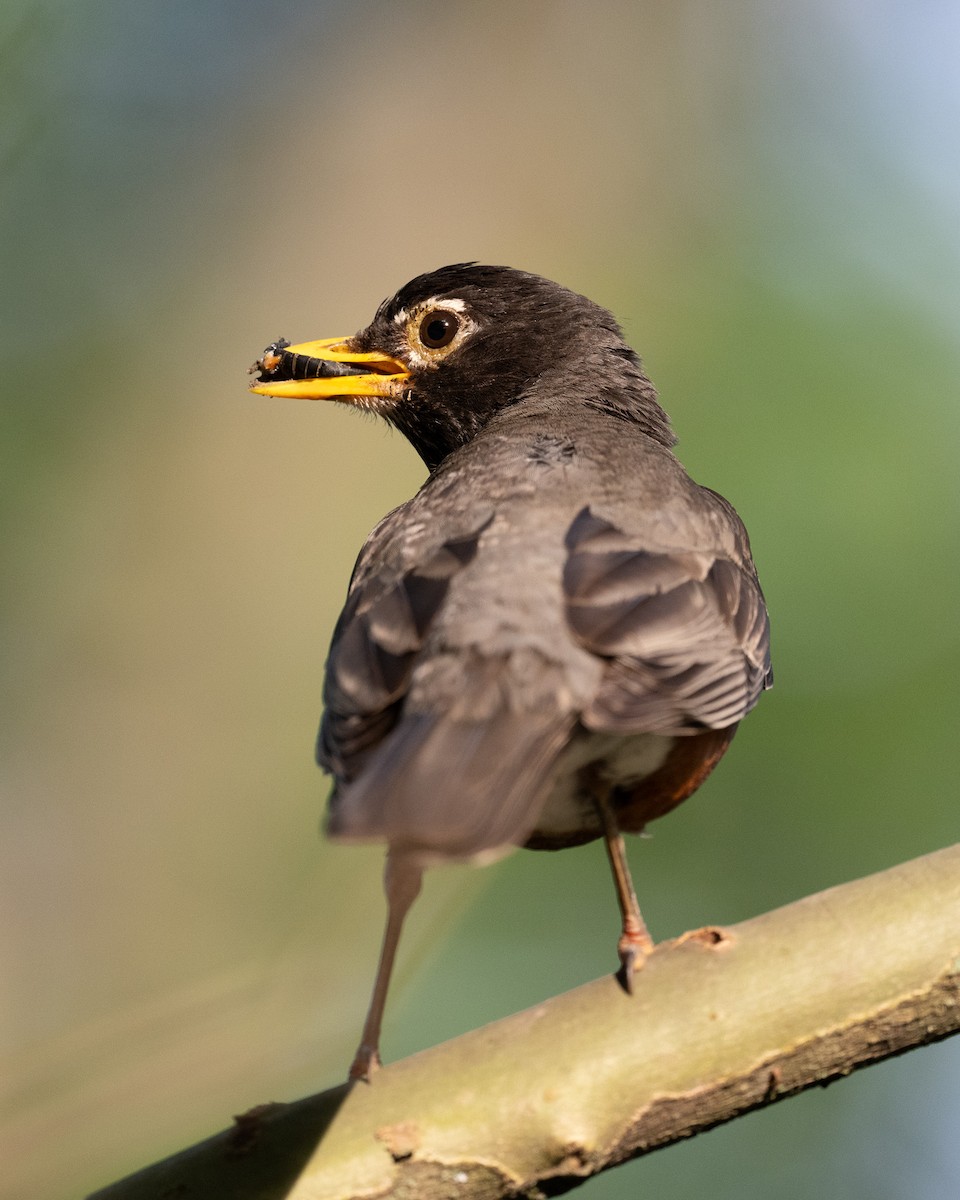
(634, 948)
(366, 1061)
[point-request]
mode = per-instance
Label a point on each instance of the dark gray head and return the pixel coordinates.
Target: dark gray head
(460, 344)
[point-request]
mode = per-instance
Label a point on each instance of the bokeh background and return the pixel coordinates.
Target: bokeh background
(769, 198)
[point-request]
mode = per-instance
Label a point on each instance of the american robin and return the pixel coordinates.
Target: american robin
(554, 640)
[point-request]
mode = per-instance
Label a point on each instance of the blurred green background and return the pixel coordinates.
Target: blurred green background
(769, 198)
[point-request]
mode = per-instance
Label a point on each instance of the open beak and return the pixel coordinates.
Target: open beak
(328, 370)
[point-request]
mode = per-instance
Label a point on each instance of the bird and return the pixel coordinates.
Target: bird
(554, 640)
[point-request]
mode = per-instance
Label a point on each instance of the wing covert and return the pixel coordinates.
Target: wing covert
(685, 632)
(374, 646)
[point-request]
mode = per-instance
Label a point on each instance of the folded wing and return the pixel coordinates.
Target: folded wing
(461, 778)
(685, 633)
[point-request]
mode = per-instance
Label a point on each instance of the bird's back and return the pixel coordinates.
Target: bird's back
(533, 605)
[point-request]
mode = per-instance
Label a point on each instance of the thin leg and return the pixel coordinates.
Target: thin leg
(635, 941)
(402, 878)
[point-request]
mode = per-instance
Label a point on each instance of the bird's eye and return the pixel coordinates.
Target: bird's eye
(438, 328)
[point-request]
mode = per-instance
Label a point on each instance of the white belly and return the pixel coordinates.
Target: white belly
(622, 761)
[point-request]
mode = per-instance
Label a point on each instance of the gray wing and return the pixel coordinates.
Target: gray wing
(382, 628)
(685, 633)
(460, 777)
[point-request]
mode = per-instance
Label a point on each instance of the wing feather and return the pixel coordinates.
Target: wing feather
(685, 633)
(443, 788)
(380, 632)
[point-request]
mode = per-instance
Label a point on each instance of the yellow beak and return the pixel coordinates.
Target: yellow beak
(328, 370)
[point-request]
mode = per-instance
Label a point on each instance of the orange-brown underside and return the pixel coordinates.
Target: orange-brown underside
(688, 763)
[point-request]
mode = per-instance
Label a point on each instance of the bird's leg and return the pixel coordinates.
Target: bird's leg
(402, 878)
(635, 941)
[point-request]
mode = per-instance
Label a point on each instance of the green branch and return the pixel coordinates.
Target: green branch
(721, 1022)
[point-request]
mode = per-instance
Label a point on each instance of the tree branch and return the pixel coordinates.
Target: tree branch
(721, 1022)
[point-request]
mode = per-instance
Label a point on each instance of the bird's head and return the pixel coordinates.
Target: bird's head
(456, 346)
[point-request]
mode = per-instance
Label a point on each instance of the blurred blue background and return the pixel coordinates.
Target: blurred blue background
(769, 199)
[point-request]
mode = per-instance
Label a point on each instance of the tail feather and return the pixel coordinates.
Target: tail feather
(442, 788)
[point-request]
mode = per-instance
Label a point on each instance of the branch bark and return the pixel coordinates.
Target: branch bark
(722, 1021)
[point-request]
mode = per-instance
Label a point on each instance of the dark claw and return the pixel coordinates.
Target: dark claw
(633, 952)
(628, 959)
(365, 1063)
